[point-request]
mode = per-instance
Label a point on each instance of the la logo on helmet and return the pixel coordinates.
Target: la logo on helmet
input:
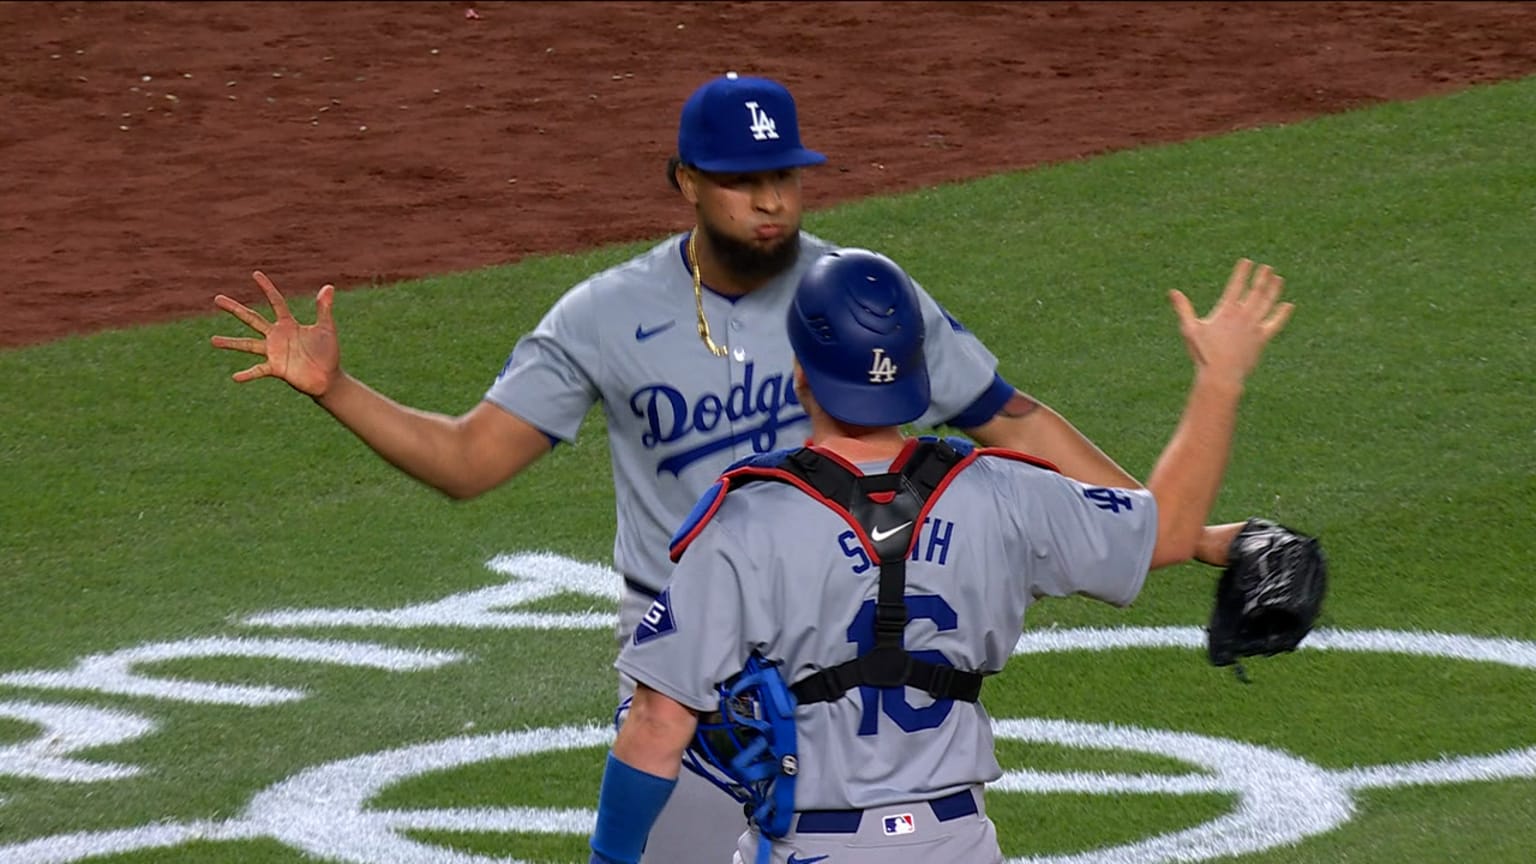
(883, 369)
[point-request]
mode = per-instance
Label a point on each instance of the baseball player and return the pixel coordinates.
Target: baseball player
(880, 578)
(685, 348)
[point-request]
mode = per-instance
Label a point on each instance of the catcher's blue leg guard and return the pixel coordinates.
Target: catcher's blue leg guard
(747, 748)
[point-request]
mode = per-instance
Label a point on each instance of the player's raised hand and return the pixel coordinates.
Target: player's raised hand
(307, 356)
(1230, 339)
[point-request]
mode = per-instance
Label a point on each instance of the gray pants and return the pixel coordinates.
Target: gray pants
(700, 823)
(918, 832)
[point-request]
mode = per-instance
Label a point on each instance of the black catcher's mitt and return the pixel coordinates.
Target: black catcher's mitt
(1270, 594)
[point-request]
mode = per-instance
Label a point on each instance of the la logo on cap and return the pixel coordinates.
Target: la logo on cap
(713, 136)
(762, 127)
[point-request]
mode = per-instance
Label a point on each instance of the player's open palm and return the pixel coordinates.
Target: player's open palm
(307, 356)
(1230, 339)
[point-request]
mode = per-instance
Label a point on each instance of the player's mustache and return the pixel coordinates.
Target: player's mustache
(748, 259)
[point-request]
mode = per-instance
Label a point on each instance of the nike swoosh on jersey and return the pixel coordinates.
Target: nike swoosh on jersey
(642, 334)
(794, 860)
(877, 535)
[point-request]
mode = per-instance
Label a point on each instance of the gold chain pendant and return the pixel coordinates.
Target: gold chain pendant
(698, 295)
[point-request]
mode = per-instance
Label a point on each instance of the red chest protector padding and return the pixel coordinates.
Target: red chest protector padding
(874, 506)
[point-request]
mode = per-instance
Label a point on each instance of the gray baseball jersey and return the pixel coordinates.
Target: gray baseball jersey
(778, 572)
(677, 416)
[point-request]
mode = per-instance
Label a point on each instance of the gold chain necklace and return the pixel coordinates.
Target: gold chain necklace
(698, 295)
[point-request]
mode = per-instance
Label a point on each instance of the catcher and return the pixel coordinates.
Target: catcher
(822, 646)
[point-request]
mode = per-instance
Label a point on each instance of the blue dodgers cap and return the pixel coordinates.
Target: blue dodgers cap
(856, 325)
(736, 123)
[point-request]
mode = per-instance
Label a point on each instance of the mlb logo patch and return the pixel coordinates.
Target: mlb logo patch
(901, 823)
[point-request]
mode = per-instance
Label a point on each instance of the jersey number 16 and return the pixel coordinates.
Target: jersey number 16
(893, 700)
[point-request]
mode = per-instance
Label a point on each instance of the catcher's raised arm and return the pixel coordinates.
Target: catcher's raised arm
(1272, 588)
(1224, 346)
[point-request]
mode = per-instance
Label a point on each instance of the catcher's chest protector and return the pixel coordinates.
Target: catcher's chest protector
(903, 497)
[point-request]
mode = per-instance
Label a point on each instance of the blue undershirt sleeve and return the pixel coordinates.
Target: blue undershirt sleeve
(986, 405)
(627, 807)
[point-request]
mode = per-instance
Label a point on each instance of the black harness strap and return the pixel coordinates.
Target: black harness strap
(889, 500)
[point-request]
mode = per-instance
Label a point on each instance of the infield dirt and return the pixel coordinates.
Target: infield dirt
(155, 153)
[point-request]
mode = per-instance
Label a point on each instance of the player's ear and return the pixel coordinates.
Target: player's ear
(686, 179)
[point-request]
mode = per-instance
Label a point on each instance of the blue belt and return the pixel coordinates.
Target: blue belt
(962, 803)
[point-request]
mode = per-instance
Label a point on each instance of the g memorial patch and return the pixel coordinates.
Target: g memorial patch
(657, 621)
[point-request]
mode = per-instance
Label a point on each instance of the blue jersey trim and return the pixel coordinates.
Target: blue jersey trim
(986, 405)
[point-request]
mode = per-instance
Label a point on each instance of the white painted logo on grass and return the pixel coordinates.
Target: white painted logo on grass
(114, 672)
(68, 729)
(1280, 797)
(535, 576)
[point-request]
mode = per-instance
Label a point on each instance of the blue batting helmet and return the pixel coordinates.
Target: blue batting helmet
(857, 329)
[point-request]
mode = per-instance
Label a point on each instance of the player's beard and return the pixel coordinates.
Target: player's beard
(751, 262)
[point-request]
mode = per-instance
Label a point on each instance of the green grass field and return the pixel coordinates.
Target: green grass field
(147, 500)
